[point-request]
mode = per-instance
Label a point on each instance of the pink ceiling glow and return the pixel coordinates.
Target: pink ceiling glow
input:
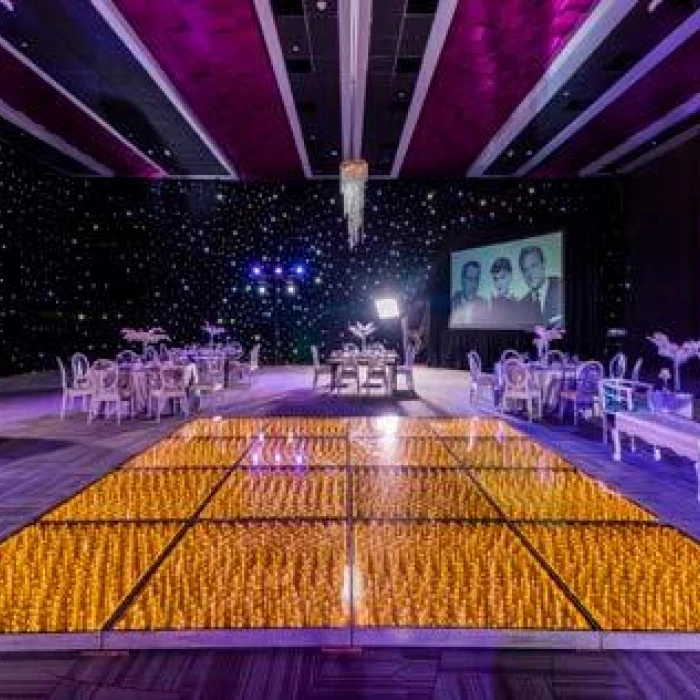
(669, 85)
(27, 93)
(214, 53)
(494, 54)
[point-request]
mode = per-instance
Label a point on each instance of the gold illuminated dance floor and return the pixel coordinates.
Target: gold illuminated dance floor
(335, 531)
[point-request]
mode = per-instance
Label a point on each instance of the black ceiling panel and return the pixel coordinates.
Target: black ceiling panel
(314, 77)
(633, 38)
(37, 150)
(397, 46)
(71, 42)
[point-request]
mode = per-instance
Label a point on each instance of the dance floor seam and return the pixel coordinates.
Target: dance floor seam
(276, 539)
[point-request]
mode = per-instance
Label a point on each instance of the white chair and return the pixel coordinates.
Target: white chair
(127, 357)
(169, 386)
(478, 380)
(249, 368)
(510, 354)
(519, 386)
(406, 369)
(71, 392)
(109, 391)
(584, 395)
(151, 355)
(555, 357)
(80, 366)
(209, 381)
(319, 369)
(636, 369)
(377, 368)
(347, 369)
(618, 366)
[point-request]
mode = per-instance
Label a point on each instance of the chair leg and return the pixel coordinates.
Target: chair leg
(575, 414)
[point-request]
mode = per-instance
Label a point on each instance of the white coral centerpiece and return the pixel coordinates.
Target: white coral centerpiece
(679, 354)
(363, 331)
(145, 336)
(543, 338)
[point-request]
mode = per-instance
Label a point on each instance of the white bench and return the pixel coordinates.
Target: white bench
(680, 435)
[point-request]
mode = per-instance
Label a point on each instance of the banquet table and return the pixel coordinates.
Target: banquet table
(363, 360)
(550, 379)
(135, 376)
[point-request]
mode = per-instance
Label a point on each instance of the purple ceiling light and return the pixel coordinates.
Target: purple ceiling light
(494, 54)
(215, 55)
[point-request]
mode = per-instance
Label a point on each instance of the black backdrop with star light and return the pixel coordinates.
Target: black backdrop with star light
(83, 258)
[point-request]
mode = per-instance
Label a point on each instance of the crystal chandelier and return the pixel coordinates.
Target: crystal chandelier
(353, 176)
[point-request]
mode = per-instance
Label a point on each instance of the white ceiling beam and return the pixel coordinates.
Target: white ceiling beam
(438, 33)
(589, 36)
(354, 28)
(121, 27)
(274, 50)
(687, 109)
(77, 103)
(661, 51)
(661, 150)
(40, 132)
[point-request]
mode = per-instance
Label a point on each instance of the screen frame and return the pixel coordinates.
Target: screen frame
(483, 239)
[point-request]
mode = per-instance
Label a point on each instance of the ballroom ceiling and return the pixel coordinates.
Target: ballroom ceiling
(286, 89)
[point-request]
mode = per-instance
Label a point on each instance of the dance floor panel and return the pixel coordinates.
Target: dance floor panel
(148, 494)
(404, 492)
(476, 576)
(281, 493)
(192, 453)
(385, 530)
(630, 576)
(71, 577)
(248, 576)
(527, 494)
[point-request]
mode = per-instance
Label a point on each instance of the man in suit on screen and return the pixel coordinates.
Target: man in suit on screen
(543, 304)
(468, 307)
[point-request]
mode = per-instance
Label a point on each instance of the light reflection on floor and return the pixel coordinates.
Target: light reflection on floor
(325, 523)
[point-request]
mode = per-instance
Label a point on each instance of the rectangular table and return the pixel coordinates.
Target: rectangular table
(678, 434)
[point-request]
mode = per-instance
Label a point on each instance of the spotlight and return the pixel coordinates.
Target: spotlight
(291, 289)
(256, 271)
(262, 290)
(278, 270)
(387, 308)
(299, 270)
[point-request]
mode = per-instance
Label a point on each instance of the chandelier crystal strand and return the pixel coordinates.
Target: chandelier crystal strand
(353, 176)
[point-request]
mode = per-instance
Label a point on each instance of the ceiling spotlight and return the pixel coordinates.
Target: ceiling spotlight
(278, 270)
(256, 271)
(299, 270)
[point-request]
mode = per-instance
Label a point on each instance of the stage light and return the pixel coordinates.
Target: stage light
(256, 271)
(262, 290)
(299, 270)
(291, 289)
(387, 308)
(278, 270)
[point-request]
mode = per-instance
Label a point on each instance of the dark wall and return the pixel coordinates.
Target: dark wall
(82, 259)
(663, 219)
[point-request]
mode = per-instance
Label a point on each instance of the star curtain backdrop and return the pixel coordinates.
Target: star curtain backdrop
(81, 259)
